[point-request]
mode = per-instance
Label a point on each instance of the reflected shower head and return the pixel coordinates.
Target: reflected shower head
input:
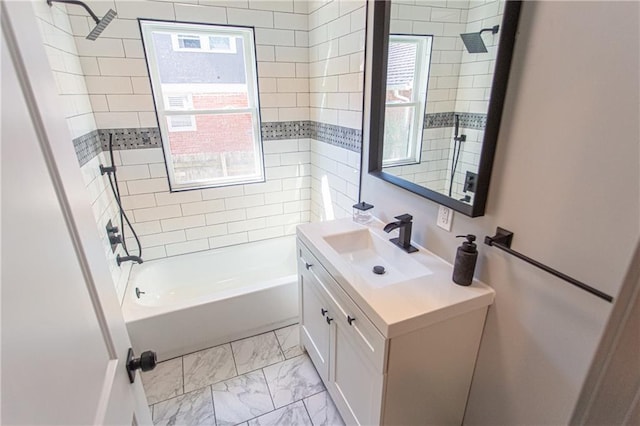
(473, 41)
(101, 24)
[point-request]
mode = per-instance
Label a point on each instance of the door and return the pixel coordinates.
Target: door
(64, 341)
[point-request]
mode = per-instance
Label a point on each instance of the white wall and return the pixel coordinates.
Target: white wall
(55, 28)
(336, 66)
(110, 83)
(116, 71)
(173, 223)
(566, 181)
(336, 61)
(117, 93)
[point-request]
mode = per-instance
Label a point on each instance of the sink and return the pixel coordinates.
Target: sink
(363, 250)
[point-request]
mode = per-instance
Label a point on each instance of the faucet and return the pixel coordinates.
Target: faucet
(404, 239)
(120, 259)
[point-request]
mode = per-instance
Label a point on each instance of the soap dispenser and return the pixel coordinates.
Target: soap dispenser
(465, 263)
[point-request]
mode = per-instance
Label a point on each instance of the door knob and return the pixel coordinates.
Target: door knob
(323, 311)
(350, 319)
(329, 320)
(146, 362)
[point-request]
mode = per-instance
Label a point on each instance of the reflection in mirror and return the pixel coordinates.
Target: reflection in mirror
(436, 142)
(406, 96)
(446, 153)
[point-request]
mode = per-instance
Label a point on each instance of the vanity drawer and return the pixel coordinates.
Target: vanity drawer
(351, 318)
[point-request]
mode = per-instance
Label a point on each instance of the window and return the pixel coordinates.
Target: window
(406, 97)
(204, 86)
(196, 43)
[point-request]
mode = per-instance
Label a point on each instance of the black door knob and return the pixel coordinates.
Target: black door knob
(329, 320)
(350, 319)
(323, 311)
(146, 362)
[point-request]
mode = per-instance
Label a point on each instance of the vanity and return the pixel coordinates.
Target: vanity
(392, 348)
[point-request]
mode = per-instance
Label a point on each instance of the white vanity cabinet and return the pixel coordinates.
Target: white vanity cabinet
(346, 349)
(420, 376)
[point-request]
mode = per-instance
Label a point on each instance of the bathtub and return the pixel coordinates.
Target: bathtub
(195, 301)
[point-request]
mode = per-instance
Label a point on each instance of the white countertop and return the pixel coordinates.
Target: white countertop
(407, 305)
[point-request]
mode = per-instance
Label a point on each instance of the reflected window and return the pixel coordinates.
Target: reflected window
(406, 98)
(205, 90)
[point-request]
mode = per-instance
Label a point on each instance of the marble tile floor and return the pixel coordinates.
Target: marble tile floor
(264, 380)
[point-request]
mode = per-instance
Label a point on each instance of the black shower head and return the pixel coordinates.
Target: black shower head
(473, 41)
(101, 24)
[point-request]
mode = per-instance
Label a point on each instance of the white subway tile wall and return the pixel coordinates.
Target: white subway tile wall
(197, 220)
(336, 77)
(58, 40)
(310, 67)
(115, 61)
(56, 30)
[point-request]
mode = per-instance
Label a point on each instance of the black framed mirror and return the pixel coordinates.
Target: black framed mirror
(439, 78)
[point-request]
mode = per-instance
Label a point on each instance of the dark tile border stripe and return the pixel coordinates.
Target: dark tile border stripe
(91, 144)
(468, 120)
(87, 146)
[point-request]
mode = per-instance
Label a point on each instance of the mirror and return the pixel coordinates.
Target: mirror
(439, 77)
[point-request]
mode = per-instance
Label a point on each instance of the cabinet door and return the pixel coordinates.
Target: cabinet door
(358, 383)
(315, 331)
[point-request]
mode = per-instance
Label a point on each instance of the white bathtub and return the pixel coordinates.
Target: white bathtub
(195, 301)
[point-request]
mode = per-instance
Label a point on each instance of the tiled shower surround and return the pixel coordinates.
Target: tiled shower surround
(310, 69)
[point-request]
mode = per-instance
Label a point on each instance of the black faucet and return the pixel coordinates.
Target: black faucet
(120, 259)
(404, 239)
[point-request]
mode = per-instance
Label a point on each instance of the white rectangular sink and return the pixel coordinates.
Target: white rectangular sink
(363, 251)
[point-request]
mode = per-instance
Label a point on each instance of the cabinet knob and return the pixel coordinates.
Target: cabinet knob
(323, 311)
(329, 320)
(308, 265)
(350, 319)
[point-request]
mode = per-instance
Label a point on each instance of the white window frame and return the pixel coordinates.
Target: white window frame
(205, 44)
(423, 59)
(148, 27)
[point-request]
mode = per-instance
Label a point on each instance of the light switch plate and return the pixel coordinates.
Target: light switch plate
(445, 218)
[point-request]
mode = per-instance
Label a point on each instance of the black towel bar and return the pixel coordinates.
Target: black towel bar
(502, 240)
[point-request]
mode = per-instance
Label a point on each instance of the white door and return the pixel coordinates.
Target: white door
(64, 341)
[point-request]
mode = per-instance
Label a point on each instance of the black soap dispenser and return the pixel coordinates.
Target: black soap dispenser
(465, 263)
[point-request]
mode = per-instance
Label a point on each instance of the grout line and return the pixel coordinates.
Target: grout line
(266, 382)
(215, 418)
(182, 363)
(235, 364)
(307, 409)
(284, 358)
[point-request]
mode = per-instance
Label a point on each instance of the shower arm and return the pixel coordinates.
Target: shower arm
(494, 29)
(78, 3)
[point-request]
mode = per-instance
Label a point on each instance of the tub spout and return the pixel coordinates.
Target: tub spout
(120, 259)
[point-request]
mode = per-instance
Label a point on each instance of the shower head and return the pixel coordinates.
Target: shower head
(473, 41)
(101, 24)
